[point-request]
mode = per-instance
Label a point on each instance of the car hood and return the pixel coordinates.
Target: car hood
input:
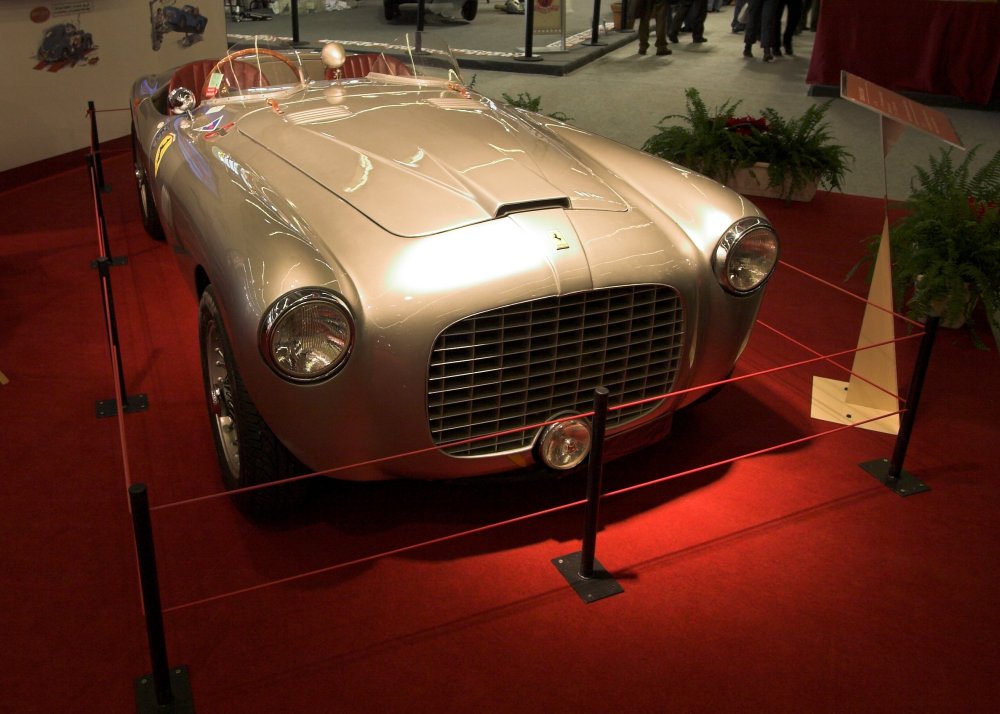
(419, 162)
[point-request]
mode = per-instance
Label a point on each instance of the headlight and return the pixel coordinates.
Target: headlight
(307, 335)
(746, 255)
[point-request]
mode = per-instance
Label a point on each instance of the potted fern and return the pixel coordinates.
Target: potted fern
(763, 155)
(946, 247)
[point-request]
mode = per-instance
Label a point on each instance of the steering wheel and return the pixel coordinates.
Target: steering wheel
(228, 59)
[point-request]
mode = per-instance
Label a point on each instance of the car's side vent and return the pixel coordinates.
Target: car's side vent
(318, 116)
(507, 208)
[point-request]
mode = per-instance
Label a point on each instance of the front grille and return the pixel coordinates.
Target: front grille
(523, 364)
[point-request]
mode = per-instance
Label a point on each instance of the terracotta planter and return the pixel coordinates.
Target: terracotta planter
(752, 181)
(616, 16)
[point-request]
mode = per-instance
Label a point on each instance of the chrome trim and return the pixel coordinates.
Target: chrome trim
(731, 238)
(289, 301)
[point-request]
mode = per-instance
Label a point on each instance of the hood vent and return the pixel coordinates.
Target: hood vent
(319, 116)
(509, 208)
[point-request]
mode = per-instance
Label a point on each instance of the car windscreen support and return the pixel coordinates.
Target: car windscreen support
(890, 473)
(582, 571)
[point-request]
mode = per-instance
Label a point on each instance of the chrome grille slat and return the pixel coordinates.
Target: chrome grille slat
(522, 364)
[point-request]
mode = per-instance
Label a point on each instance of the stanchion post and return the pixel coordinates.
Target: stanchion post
(295, 22)
(582, 571)
(95, 148)
(595, 475)
(171, 691)
(136, 402)
(595, 21)
(529, 32)
(890, 472)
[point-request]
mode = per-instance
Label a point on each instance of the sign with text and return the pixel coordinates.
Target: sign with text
(898, 108)
(548, 17)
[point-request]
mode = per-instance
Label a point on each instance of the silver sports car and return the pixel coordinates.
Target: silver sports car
(389, 263)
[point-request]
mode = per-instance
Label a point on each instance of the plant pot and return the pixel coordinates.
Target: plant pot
(752, 181)
(616, 16)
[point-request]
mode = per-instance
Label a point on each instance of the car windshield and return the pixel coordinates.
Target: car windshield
(259, 67)
(410, 60)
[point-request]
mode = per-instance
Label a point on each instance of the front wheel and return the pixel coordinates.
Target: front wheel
(249, 452)
(150, 218)
(469, 9)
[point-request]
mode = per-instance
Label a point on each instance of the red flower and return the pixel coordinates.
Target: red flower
(746, 125)
(979, 208)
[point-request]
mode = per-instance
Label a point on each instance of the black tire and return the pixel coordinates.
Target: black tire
(150, 218)
(391, 8)
(249, 452)
(469, 9)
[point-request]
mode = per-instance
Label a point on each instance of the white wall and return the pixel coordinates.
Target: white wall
(45, 112)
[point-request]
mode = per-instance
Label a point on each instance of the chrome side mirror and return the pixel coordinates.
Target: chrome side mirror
(181, 100)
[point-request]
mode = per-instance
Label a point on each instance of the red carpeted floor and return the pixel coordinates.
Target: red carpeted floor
(786, 581)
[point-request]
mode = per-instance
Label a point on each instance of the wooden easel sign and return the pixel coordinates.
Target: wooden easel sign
(873, 387)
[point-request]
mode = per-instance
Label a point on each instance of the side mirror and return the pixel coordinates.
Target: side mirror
(181, 100)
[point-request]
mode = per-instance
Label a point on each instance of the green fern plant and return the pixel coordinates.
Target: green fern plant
(533, 104)
(801, 150)
(946, 248)
(703, 143)
(717, 142)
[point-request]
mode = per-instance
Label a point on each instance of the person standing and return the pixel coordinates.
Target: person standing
(761, 16)
(694, 11)
(658, 10)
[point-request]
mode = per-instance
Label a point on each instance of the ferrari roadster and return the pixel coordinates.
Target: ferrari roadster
(396, 271)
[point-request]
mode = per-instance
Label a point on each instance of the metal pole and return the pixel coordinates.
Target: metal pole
(95, 145)
(529, 31)
(420, 16)
(913, 398)
(594, 22)
(595, 470)
(295, 22)
(143, 529)
(102, 226)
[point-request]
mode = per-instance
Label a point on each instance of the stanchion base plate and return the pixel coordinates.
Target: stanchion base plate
(113, 261)
(133, 403)
(526, 58)
(592, 589)
(145, 694)
(906, 485)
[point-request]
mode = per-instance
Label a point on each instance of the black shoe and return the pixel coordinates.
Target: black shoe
(747, 50)
(664, 51)
(768, 57)
(788, 49)
(643, 48)
(673, 38)
(699, 39)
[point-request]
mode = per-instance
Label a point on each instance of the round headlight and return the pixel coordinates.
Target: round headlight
(746, 255)
(565, 444)
(307, 335)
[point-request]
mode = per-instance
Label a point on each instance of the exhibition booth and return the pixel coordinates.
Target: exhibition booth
(764, 556)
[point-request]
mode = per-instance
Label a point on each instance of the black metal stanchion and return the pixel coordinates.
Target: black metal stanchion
(594, 25)
(529, 32)
(95, 148)
(102, 226)
(891, 473)
(165, 689)
(582, 571)
(294, 10)
(624, 18)
(136, 402)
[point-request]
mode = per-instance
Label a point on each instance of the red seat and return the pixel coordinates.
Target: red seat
(358, 66)
(194, 76)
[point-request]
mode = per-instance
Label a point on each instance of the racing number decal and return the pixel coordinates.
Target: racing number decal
(165, 143)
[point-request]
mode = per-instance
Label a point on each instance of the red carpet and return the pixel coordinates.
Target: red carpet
(788, 581)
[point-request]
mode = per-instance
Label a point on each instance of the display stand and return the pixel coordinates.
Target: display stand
(586, 576)
(870, 396)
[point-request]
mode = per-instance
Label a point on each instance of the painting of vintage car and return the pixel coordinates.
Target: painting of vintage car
(186, 19)
(65, 43)
(387, 262)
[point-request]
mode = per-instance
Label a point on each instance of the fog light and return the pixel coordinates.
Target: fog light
(565, 444)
